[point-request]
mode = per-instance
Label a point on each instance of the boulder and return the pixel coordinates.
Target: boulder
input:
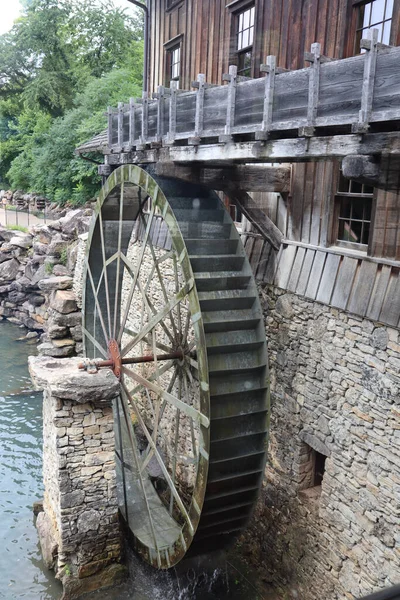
(47, 539)
(63, 301)
(21, 241)
(74, 223)
(69, 320)
(56, 331)
(61, 271)
(9, 270)
(50, 284)
(47, 349)
(36, 299)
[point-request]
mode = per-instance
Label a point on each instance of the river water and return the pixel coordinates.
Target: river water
(22, 572)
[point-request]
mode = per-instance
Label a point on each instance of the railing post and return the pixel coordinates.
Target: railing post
(231, 105)
(313, 57)
(110, 126)
(132, 124)
(370, 45)
(270, 70)
(199, 116)
(172, 113)
(120, 124)
(145, 118)
(160, 112)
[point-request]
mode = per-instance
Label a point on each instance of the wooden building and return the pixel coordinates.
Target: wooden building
(322, 231)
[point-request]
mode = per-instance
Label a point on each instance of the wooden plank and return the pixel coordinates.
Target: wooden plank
(285, 266)
(367, 94)
(378, 292)
(315, 275)
(328, 278)
(272, 265)
(305, 272)
(269, 69)
(390, 312)
(296, 270)
(263, 262)
(344, 282)
(313, 90)
(362, 288)
(257, 251)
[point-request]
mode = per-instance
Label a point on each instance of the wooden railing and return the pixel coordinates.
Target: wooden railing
(354, 92)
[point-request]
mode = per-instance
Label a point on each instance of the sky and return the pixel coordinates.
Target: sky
(10, 10)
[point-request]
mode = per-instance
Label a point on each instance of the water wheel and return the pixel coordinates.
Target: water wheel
(171, 305)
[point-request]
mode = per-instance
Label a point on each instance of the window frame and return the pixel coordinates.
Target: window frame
(353, 22)
(237, 8)
(334, 228)
(169, 47)
(171, 4)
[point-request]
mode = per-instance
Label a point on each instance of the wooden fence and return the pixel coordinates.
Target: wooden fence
(354, 92)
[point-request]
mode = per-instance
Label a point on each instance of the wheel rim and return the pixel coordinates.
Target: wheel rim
(148, 298)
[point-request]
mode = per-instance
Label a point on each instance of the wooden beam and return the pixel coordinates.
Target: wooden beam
(250, 178)
(284, 150)
(381, 172)
(258, 218)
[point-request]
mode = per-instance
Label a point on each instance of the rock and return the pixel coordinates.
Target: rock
(61, 271)
(76, 333)
(47, 539)
(315, 443)
(73, 319)
(110, 576)
(39, 275)
(72, 499)
(36, 299)
(62, 282)
(31, 335)
(39, 248)
(284, 306)
(74, 223)
(9, 270)
(22, 242)
(48, 349)
(8, 234)
(56, 331)
(89, 520)
(380, 338)
(63, 343)
(37, 507)
(63, 301)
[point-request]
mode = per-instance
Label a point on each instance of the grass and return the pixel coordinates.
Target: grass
(17, 228)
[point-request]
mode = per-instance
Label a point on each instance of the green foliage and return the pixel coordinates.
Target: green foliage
(61, 65)
(48, 268)
(17, 228)
(64, 257)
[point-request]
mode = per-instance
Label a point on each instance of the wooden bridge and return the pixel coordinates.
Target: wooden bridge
(330, 109)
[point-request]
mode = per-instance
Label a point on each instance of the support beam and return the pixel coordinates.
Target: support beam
(381, 172)
(250, 178)
(258, 218)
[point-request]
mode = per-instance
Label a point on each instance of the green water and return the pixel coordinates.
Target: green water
(22, 573)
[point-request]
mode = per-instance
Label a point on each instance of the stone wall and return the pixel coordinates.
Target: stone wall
(36, 281)
(335, 393)
(79, 529)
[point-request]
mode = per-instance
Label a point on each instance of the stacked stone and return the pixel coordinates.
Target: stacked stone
(335, 390)
(36, 278)
(79, 529)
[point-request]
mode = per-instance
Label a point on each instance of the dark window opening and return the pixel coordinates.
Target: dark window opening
(353, 213)
(377, 14)
(173, 64)
(311, 468)
(319, 467)
(244, 40)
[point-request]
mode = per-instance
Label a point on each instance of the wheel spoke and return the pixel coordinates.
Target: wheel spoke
(176, 441)
(97, 301)
(137, 460)
(176, 290)
(121, 216)
(103, 252)
(136, 273)
(160, 461)
(159, 316)
(188, 410)
(190, 421)
(153, 311)
(160, 346)
(95, 342)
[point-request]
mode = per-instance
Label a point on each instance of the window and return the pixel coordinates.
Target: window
(173, 64)
(172, 3)
(311, 469)
(244, 40)
(353, 209)
(376, 14)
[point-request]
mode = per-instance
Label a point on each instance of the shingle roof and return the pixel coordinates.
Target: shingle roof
(96, 144)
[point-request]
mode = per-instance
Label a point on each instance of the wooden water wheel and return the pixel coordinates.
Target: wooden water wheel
(170, 303)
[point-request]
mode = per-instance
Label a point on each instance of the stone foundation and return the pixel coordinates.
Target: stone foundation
(79, 529)
(335, 392)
